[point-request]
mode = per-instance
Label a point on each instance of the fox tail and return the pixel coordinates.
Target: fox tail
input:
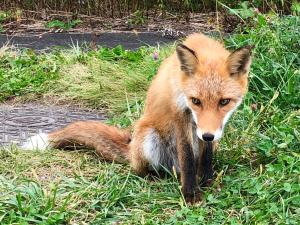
(109, 142)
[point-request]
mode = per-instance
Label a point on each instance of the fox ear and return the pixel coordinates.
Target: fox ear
(187, 58)
(239, 61)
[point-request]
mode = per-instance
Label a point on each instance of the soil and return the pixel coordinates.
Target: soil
(166, 24)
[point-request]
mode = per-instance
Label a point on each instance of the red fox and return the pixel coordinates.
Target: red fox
(188, 104)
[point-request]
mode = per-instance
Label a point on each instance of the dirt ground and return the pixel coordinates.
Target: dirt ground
(168, 24)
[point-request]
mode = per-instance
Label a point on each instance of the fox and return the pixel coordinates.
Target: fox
(189, 101)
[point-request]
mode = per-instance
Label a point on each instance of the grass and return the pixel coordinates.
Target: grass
(257, 165)
(58, 24)
(25, 72)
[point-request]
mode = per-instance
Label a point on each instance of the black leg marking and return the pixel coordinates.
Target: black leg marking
(207, 164)
(188, 174)
(189, 169)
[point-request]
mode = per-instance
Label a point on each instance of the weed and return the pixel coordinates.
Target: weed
(295, 8)
(57, 24)
(25, 72)
(137, 18)
(3, 17)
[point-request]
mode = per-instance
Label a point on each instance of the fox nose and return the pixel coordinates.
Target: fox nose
(208, 137)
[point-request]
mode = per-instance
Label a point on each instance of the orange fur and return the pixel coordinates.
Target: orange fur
(109, 142)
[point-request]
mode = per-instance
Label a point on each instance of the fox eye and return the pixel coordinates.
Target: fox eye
(224, 102)
(196, 101)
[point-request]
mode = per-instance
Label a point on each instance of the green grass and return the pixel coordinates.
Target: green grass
(62, 25)
(23, 72)
(257, 165)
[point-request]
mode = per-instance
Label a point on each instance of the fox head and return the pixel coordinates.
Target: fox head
(213, 86)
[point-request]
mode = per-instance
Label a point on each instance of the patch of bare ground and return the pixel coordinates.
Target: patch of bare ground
(36, 22)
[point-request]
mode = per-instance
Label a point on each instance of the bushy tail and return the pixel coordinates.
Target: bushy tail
(109, 142)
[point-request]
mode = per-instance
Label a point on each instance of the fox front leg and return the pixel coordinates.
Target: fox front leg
(188, 170)
(207, 170)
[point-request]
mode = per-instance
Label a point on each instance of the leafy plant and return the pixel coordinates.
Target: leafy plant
(137, 18)
(62, 25)
(244, 10)
(25, 73)
(4, 15)
(295, 8)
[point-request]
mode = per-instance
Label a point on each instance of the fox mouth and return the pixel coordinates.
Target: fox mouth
(209, 136)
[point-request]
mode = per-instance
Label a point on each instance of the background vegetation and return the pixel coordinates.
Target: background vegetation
(257, 166)
(121, 8)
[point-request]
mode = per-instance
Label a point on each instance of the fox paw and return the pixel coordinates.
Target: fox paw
(192, 197)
